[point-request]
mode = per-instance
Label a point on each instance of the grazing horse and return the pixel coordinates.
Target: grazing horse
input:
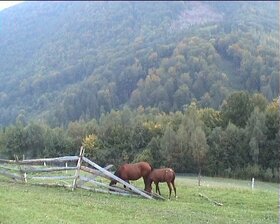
(161, 175)
(133, 171)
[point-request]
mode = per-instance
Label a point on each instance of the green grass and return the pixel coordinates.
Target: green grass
(23, 203)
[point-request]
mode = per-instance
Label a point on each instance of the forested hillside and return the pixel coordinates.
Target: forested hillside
(189, 85)
(62, 61)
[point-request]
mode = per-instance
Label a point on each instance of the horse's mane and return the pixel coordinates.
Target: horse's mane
(152, 168)
(117, 173)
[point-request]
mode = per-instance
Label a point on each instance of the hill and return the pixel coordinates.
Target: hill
(65, 61)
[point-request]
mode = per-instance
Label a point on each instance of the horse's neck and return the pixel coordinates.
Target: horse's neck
(117, 173)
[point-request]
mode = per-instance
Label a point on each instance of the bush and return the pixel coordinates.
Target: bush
(252, 171)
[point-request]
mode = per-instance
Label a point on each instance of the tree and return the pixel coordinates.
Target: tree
(258, 100)
(34, 140)
(76, 132)
(89, 142)
(228, 151)
(155, 152)
(169, 145)
(211, 119)
(216, 153)
(181, 97)
(272, 119)
(58, 143)
(256, 130)
(14, 141)
(237, 109)
(184, 154)
(197, 139)
(199, 149)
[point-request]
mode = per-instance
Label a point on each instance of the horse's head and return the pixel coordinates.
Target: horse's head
(113, 182)
(148, 185)
(148, 188)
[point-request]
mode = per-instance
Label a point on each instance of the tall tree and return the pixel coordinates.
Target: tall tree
(168, 146)
(237, 109)
(197, 139)
(256, 130)
(199, 148)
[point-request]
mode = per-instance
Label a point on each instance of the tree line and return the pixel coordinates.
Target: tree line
(240, 140)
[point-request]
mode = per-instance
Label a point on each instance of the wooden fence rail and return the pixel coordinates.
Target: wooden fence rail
(10, 175)
(38, 161)
(87, 175)
(49, 169)
(53, 178)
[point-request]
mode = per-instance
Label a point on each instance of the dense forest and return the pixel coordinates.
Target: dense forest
(190, 85)
(241, 140)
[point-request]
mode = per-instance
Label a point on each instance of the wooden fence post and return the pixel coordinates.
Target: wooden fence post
(79, 163)
(22, 174)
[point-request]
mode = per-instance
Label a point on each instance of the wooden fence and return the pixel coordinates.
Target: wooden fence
(71, 172)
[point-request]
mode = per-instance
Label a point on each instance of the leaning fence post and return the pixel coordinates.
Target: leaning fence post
(77, 173)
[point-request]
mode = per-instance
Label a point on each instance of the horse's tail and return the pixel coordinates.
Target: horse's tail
(174, 175)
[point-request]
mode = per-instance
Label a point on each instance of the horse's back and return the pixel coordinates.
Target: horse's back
(145, 168)
(135, 171)
(162, 175)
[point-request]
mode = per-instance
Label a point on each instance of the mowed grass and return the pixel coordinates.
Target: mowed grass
(23, 203)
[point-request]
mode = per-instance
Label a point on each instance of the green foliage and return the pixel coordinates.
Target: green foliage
(211, 118)
(256, 130)
(237, 109)
(91, 57)
(188, 141)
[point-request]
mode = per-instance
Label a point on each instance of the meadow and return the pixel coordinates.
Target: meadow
(25, 203)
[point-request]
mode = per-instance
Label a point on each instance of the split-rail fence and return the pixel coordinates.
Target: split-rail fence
(74, 172)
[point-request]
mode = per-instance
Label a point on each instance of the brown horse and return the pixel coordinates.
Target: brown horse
(134, 171)
(161, 175)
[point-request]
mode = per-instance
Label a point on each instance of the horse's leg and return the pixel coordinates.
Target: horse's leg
(145, 183)
(127, 181)
(157, 188)
(174, 188)
(170, 189)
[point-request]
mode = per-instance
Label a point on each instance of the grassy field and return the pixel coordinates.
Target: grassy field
(21, 203)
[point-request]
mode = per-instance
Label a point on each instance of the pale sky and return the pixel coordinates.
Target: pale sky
(7, 4)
